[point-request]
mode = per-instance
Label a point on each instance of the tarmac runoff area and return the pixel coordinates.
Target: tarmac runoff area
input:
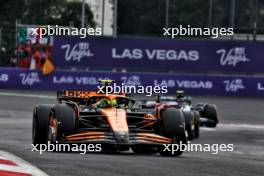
(241, 124)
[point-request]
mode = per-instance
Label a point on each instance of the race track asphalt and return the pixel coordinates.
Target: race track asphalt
(242, 124)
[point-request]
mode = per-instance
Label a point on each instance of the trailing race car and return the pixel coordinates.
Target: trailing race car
(191, 117)
(195, 115)
(208, 112)
(110, 120)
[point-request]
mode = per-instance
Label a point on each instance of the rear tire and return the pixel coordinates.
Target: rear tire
(210, 112)
(66, 118)
(172, 124)
(40, 124)
(189, 123)
(196, 124)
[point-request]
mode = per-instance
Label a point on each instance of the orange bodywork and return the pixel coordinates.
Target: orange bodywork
(140, 137)
(159, 107)
(116, 118)
(86, 136)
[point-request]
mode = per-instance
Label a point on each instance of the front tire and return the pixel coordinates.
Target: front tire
(210, 112)
(173, 126)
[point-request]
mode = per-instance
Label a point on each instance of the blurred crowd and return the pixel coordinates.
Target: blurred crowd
(32, 56)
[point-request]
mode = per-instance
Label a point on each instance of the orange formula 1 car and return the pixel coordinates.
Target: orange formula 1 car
(111, 120)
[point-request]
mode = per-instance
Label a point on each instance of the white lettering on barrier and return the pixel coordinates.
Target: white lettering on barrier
(29, 78)
(77, 80)
(63, 80)
(193, 84)
(155, 54)
(260, 87)
(78, 51)
(163, 82)
(233, 85)
(4, 77)
(233, 56)
(131, 80)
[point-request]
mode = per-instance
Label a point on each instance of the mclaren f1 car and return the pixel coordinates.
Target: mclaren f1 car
(111, 120)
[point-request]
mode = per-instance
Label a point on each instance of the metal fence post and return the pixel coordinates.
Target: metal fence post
(167, 13)
(115, 17)
(255, 24)
(210, 13)
(83, 13)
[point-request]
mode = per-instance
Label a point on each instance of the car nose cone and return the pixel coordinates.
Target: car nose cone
(121, 136)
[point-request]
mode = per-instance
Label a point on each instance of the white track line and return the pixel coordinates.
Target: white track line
(230, 126)
(27, 95)
(207, 129)
(244, 126)
(22, 165)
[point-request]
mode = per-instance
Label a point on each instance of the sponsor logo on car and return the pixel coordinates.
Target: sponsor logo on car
(233, 85)
(77, 52)
(233, 56)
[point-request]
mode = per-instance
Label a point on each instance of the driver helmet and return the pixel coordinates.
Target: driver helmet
(179, 94)
(104, 103)
(114, 102)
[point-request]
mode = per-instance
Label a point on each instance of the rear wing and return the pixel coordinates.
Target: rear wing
(80, 95)
(159, 98)
(68, 94)
(74, 94)
(167, 98)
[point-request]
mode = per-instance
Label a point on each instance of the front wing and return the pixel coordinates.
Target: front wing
(109, 138)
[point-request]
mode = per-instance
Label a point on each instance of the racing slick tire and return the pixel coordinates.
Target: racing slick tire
(172, 126)
(66, 118)
(189, 124)
(210, 112)
(40, 124)
(196, 124)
